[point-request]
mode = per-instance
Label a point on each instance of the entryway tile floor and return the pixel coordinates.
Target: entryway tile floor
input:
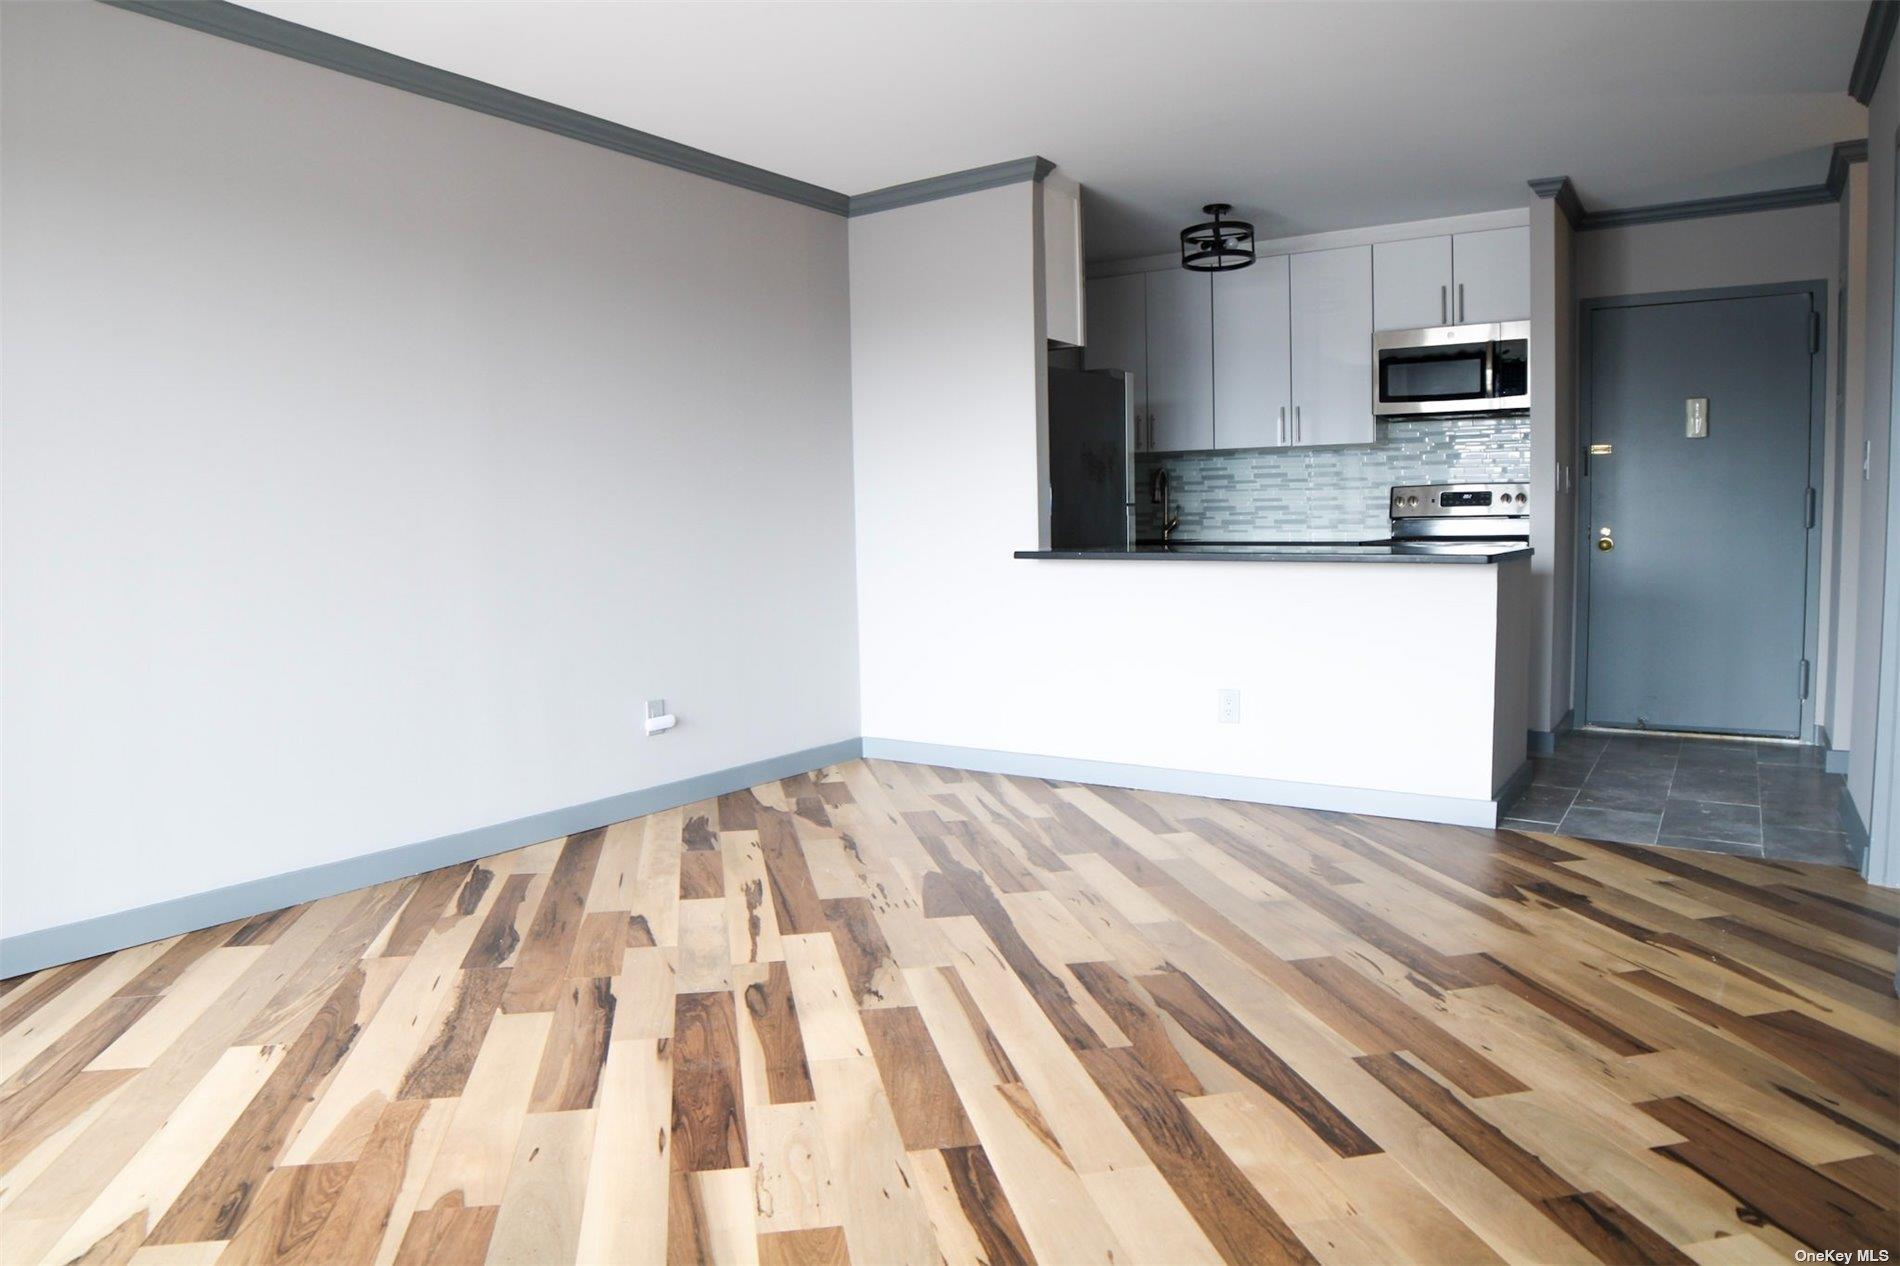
(1754, 799)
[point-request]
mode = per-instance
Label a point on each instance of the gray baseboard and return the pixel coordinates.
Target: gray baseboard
(1834, 762)
(1299, 795)
(1514, 785)
(1858, 840)
(30, 951)
(1544, 742)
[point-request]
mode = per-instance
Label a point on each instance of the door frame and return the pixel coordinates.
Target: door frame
(1817, 292)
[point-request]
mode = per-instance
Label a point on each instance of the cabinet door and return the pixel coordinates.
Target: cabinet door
(1411, 283)
(1253, 372)
(1332, 347)
(1118, 337)
(1062, 261)
(1180, 360)
(1491, 275)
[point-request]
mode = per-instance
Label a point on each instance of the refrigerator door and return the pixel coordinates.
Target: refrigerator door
(1091, 474)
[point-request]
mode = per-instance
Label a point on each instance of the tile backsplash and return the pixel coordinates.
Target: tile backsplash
(1327, 494)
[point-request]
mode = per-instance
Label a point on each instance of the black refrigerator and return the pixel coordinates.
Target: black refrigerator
(1091, 461)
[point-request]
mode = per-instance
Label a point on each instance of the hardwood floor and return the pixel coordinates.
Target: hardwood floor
(891, 1014)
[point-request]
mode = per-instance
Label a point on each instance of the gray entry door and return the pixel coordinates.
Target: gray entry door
(1697, 615)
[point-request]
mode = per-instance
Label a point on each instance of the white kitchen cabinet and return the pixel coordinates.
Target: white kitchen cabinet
(1180, 360)
(1491, 276)
(1062, 304)
(1411, 283)
(1253, 371)
(1118, 337)
(1332, 347)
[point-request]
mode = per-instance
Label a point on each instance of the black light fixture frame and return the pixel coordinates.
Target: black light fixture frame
(1219, 245)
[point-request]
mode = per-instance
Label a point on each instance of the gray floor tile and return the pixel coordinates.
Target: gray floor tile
(1541, 803)
(1618, 825)
(1725, 783)
(1805, 756)
(1796, 797)
(1707, 820)
(1562, 770)
(1708, 754)
(1643, 789)
(1709, 846)
(1792, 844)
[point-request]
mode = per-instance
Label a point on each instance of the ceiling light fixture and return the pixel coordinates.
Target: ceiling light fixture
(1219, 245)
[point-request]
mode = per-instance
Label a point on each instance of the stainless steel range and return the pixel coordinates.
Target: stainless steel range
(1441, 516)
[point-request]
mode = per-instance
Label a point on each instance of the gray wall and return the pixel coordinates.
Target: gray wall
(367, 462)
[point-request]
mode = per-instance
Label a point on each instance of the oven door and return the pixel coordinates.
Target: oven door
(1451, 369)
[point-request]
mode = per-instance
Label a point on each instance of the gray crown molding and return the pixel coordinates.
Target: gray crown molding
(261, 30)
(1560, 188)
(929, 190)
(332, 52)
(1844, 155)
(1876, 37)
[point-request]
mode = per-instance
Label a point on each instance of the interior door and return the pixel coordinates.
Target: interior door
(1332, 347)
(1180, 360)
(1253, 375)
(1697, 603)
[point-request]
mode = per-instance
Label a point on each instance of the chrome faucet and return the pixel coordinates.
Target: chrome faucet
(1158, 493)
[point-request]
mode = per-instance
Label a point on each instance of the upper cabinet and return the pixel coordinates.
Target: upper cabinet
(1253, 369)
(1461, 279)
(1332, 346)
(1063, 308)
(1411, 283)
(1118, 338)
(1180, 326)
(1492, 275)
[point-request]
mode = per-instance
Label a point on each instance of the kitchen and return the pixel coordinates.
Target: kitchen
(1357, 397)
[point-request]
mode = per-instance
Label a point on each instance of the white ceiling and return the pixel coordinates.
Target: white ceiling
(1306, 116)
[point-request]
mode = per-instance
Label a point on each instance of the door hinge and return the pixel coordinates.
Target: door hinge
(1814, 333)
(1813, 502)
(1804, 679)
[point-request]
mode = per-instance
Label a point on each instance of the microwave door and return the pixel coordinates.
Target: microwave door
(1443, 379)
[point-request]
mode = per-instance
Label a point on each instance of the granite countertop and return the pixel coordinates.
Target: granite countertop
(1299, 552)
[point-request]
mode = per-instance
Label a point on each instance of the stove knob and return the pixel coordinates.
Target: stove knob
(1520, 498)
(1411, 501)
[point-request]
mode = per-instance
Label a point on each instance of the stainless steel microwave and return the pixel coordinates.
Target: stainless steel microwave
(1450, 369)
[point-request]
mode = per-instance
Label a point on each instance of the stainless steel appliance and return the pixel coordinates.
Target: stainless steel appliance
(1452, 369)
(1091, 459)
(1439, 517)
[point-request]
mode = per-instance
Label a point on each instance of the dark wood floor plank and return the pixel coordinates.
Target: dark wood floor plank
(213, 1204)
(291, 1208)
(862, 949)
(1135, 1016)
(431, 897)
(1238, 1221)
(1610, 1231)
(577, 1047)
(986, 1207)
(709, 1129)
(1216, 1028)
(496, 939)
(794, 895)
(541, 969)
(1406, 1030)
(773, 1014)
(448, 1234)
(1597, 1028)
(23, 1002)
(1484, 1142)
(1801, 1201)
(922, 1096)
(441, 1071)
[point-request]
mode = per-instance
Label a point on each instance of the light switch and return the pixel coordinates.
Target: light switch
(1696, 418)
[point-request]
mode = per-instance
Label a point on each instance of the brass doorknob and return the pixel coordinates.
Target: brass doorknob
(1605, 544)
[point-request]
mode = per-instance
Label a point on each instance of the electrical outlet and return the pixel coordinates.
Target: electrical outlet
(1230, 707)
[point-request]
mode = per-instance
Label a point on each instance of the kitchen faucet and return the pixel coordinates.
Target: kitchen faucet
(1158, 493)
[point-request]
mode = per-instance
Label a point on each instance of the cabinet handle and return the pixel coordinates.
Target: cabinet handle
(1461, 303)
(1296, 424)
(1283, 424)
(1444, 306)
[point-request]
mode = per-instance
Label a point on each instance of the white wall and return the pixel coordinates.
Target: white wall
(1840, 565)
(963, 645)
(367, 462)
(1883, 128)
